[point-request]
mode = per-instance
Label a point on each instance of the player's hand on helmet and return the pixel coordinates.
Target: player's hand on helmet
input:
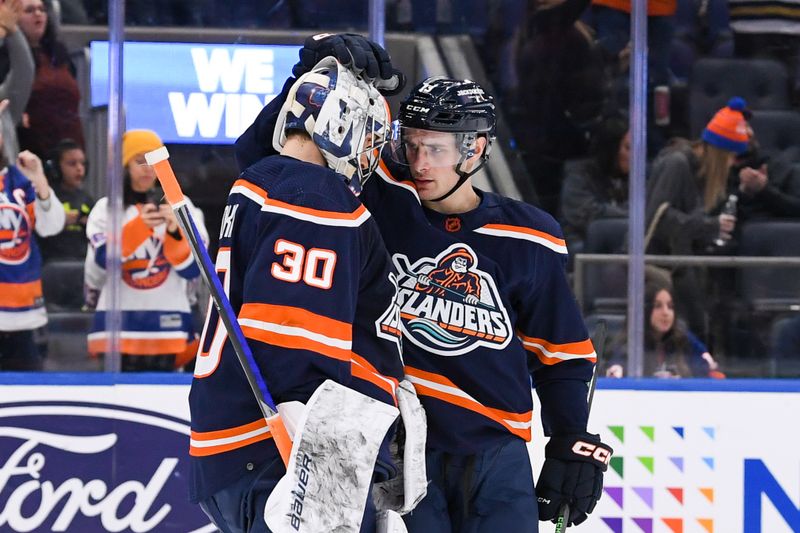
(363, 56)
(471, 299)
(573, 475)
(423, 280)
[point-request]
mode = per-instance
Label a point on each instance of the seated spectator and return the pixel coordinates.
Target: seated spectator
(767, 188)
(685, 196)
(599, 188)
(52, 113)
(156, 264)
(27, 204)
(16, 75)
(670, 349)
(67, 168)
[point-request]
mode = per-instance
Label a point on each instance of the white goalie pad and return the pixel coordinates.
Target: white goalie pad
(333, 456)
(404, 492)
(390, 522)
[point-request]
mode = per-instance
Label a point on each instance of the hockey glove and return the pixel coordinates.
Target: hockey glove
(353, 51)
(572, 474)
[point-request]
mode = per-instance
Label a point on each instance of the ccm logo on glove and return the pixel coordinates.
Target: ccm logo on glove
(588, 449)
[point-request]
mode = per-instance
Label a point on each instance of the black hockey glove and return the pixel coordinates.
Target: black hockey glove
(353, 51)
(572, 474)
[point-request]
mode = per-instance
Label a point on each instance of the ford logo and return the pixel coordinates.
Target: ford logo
(86, 467)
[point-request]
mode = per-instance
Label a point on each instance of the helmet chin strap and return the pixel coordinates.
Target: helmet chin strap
(462, 177)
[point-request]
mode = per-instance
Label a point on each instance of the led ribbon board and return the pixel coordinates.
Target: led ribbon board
(192, 93)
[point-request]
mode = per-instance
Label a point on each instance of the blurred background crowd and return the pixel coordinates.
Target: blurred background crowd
(723, 173)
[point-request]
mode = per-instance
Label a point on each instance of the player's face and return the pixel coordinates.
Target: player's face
(143, 177)
(663, 316)
(73, 167)
(33, 20)
(432, 157)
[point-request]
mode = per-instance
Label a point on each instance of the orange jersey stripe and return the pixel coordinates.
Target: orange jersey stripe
(320, 213)
(207, 443)
(460, 398)
(15, 295)
(297, 317)
(528, 231)
(550, 353)
(361, 368)
(142, 347)
(295, 342)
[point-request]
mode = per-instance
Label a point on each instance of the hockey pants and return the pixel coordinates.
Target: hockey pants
(487, 492)
(239, 508)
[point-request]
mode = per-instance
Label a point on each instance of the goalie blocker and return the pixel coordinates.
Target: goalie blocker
(573, 475)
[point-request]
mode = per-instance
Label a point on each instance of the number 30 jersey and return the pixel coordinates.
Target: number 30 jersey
(310, 279)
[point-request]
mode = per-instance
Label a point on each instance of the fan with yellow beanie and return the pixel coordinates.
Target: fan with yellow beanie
(157, 264)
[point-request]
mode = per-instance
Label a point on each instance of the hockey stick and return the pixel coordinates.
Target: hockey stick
(600, 335)
(159, 160)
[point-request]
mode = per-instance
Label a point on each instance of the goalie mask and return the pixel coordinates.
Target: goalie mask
(460, 110)
(346, 118)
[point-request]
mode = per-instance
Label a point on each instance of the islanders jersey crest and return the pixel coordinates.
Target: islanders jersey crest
(448, 306)
(15, 229)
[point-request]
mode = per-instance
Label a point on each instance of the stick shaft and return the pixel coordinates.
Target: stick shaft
(599, 340)
(236, 337)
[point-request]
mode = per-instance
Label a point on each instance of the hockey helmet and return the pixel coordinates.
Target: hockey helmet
(458, 108)
(345, 116)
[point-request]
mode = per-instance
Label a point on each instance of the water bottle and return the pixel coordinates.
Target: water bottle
(728, 209)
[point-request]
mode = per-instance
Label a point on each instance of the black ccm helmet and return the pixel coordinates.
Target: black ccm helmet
(447, 105)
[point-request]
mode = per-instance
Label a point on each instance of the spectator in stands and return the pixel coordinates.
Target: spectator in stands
(670, 349)
(16, 72)
(27, 204)
(612, 22)
(156, 264)
(768, 30)
(685, 195)
(766, 187)
(52, 113)
(561, 95)
(67, 170)
(598, 188)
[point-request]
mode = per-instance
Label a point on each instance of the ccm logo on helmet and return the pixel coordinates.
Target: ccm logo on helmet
(588, 449)
(419, 108)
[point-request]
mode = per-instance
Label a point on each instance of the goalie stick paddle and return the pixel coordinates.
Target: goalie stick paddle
(600, 335)
(159, 160)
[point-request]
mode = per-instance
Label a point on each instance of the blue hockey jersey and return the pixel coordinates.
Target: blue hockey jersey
(486, 309)
(309, 277)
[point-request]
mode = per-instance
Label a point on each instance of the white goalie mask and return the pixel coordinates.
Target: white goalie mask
(346, 118)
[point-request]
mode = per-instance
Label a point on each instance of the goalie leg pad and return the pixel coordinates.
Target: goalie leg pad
(333, 457)
(404, 492)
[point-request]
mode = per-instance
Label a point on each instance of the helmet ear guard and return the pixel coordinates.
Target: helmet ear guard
(345, 116)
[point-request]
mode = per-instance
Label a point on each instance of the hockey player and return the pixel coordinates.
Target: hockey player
(157, 264)
(309, 277)
(474, 353)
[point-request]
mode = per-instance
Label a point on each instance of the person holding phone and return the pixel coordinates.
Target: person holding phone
(157, 264)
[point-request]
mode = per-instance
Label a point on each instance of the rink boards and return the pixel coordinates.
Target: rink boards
(89, 452)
